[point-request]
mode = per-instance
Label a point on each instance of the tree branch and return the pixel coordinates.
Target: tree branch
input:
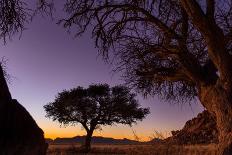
(228, 37)
(210, 10)
(85, 126)
(213, 35)
(197, 15)
(163, 74)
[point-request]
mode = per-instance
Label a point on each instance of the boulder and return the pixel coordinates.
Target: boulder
(19, 133)
(200, 130)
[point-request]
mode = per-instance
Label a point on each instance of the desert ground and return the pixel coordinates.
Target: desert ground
(151, 149)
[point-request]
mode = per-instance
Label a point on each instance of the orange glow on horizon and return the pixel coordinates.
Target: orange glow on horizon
(115, 135)
(54, 136)
(54, 130)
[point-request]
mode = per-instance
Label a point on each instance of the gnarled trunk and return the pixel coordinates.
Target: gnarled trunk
(218, 102)
(87, 144)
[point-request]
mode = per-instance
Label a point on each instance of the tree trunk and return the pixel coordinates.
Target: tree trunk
(87, 143)
(218, 101)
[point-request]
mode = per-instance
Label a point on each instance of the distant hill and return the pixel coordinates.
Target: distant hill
(154, 141)
(48, 140)
(95, 140)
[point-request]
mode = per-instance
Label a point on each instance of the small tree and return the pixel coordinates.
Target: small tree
(98, 105)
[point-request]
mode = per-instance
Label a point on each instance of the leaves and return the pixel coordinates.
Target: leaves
(96, 105)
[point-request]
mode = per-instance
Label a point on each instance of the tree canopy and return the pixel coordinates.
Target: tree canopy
(177, 49)
(95, 106)
(163, 46)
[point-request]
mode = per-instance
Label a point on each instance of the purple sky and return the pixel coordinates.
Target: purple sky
(47, 60)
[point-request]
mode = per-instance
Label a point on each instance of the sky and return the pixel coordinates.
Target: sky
(46, 60)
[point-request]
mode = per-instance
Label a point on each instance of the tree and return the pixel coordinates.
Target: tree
(178, 49)
(98, 105)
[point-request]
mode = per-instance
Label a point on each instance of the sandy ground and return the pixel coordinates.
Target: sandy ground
(156, 149)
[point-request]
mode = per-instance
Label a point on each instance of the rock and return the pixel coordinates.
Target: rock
(19, 133)
(200, 130)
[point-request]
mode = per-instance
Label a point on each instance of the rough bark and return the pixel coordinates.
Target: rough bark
(19, 132)
(217, 101)
(216, 97)
(87, 143)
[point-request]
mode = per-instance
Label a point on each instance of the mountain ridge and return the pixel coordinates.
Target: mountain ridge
(95, 140)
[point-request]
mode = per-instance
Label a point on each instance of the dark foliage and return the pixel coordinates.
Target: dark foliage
(96, 105)
(156, 44)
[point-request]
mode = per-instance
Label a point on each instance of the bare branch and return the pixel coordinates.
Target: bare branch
(210, 10)
(197, 15)
(185, 35)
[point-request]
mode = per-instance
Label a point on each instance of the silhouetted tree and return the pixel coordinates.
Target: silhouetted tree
(178, 49)
(98, 105)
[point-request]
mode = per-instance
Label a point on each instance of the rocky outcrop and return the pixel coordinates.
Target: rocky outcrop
(200, 130)
(19, 133)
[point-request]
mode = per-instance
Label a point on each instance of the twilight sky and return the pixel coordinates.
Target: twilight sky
(46, 60)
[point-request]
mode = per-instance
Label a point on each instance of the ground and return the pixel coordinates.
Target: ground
(151, 149)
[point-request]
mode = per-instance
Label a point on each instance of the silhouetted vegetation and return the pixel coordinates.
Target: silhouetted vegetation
(175, 49)
(15, 14)
(96, 106)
